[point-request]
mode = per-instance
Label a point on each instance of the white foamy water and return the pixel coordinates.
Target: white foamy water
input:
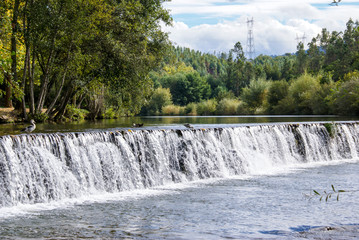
(50, 167)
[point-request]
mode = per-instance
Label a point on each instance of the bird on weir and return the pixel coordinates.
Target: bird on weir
(335, 3)
(30, 128)
(137, 124)
(187, 125)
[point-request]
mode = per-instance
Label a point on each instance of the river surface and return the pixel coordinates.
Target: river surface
(270, 206)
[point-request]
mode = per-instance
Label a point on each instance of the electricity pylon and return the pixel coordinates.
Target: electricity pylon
(250, 39)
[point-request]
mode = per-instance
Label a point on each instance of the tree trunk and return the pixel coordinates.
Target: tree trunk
(44, 88)
(14, 26)
(8, 91)
(26, 63)
(31, 75)
(62, 109)
(49, 109)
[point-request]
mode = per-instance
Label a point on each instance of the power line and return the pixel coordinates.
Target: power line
(250, 39)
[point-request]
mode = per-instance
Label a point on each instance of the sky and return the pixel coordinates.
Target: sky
(214, 26)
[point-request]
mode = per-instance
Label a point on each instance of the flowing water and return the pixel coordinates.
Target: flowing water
(241, 182)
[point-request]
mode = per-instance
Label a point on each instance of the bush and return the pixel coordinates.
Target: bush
(345, 98)
(277, 91)
(110, 113)
(207, 107)
(330, 129)
(173, 110)
(191, 109)
(244, 109)
(75, 114)
(160, 98)
(221, 92)
(38, 117)
(228, 106)
(255, 94)
(303, 91)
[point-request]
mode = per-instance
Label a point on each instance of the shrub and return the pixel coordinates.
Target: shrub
(173, 110)
(191, 109)
(303, 90)
(207, 107)
(228, 106)
(277, 91)
(110, 113)
(255, 94)
(38, 117)
(330, 129)
(161, 97)
(345, 98)
(75, 114)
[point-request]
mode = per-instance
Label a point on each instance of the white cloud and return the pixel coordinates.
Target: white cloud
(277, 23)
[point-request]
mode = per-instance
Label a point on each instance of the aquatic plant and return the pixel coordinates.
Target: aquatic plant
(330, 129)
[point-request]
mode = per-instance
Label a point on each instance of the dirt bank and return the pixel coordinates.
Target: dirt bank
(9, 115)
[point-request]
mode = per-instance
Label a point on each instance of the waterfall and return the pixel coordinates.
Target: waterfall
(36, 168)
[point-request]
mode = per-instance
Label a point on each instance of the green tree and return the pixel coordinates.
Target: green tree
(315, 57)
(72, 44)
(160, 98)
(302, 60)
(277, 91)
(255, 94)
(302, 90)
(187, 87)
(345, 96)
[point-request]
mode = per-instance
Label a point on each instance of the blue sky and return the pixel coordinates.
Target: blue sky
(216, 25)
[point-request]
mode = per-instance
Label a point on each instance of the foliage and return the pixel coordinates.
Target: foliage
(345, 97)
(207, 107)
(328, 194)
(160, 98)
(111, 58)
(228, 106)
(64, 47)
(330, 129)
(186, 87)
(110, 113)
(277, 91)
(75, 114)
(38, 117)
(302, 90)
(302, 83)
(191, 109)
(173, 110)
(255, 94)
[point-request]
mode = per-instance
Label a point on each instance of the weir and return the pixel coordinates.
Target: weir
(37, 168)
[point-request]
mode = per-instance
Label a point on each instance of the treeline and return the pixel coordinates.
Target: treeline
(62, 58)
(324, 79)
(104, 59)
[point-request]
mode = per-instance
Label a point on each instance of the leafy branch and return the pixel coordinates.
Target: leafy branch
(327, 195)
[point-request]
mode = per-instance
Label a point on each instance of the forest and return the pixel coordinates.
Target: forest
(69, 60)
(320, 78)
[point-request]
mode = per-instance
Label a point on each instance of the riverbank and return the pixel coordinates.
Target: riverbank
(9, 115)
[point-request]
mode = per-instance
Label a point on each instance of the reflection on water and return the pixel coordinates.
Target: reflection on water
(169, 121)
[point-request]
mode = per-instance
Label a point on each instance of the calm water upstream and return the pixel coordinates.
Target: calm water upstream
(168, 122)
(228, 178)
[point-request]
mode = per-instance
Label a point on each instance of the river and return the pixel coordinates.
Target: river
(216, 181)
